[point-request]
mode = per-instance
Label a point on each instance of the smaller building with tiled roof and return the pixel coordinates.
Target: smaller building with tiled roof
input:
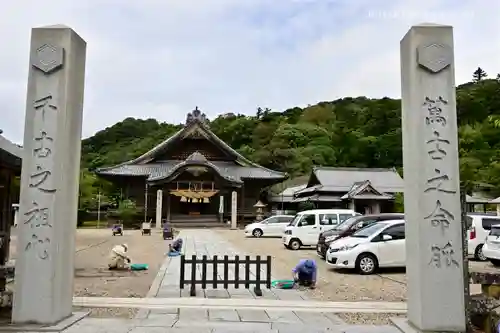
(366, 190)
(194, 169)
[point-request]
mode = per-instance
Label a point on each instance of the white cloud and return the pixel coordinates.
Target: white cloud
(161, 58)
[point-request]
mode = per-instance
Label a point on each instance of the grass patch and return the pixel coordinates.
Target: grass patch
(94, 225)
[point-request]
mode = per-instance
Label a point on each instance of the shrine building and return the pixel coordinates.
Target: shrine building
(194, 175)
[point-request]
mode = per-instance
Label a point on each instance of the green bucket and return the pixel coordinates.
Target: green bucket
(283, 284)
(139, 267)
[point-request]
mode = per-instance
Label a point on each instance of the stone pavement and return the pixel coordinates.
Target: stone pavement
(207, 242)
(168, 324)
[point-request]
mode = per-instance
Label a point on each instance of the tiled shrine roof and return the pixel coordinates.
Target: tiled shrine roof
(331, 179)
(146, 165)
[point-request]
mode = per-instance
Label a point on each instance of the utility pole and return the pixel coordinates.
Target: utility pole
(98, 208)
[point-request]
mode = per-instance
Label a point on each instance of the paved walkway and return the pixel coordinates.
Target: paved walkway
(209, 243)
(184, 320)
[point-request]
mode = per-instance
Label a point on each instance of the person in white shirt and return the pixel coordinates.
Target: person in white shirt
(118, 258)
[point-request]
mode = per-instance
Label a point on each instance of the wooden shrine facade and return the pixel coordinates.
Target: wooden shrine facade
(197, 173)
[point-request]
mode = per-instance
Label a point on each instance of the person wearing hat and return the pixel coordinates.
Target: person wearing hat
(118, 258)
(305, 273)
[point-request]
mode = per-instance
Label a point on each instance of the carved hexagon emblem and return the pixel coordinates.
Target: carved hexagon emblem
(48, 58)
(434, 57)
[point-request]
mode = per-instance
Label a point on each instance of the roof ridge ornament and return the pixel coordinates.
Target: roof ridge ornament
(195, 115)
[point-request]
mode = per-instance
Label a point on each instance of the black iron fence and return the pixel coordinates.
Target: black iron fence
(229, 266)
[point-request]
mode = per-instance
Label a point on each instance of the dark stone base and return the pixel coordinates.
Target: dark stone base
(59, 327)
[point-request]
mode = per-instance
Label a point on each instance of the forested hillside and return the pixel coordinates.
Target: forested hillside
(354, 132)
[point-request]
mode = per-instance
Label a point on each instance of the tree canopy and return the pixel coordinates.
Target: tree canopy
(348, 132)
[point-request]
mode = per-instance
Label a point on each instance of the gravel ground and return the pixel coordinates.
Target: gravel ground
(332, 285)
(92, 277)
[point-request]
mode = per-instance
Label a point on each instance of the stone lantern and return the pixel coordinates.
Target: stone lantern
(259, 207)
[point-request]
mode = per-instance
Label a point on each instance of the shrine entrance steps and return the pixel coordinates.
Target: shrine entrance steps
(197, 221)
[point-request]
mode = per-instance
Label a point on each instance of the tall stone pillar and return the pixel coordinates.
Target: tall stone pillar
(50, 177)
(434, 250)
(159, 207)
(16, 214)
(234, 210)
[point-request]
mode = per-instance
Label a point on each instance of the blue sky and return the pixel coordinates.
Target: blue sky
(161, 58)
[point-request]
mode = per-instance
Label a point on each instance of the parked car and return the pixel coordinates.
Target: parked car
(306, 226)
(272, 226)
(491, 249)
(348, 227)
(381, 244)
(478, 228)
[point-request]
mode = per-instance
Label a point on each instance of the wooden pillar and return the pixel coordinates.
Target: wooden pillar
(242, 202)
(146, 203)
(127, 190)
(168, 206)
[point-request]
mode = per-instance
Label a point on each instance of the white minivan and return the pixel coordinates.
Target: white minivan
(479, 227)
(381, 244)
(491, 248)
(306, 226)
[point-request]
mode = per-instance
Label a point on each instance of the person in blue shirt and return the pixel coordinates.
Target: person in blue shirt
(176, 246)
(305, 273)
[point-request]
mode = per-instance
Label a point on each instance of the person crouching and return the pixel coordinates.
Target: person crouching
(118, 258)
(176, 246)
(305, 273)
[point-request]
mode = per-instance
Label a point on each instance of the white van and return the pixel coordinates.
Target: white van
(491, 248)
(479, 227)
(306, 226)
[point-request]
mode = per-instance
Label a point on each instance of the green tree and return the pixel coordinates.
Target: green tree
(306, 205)
(479, 74)
(399, 203)
(127, 211)
(349, 132)
(93, 190)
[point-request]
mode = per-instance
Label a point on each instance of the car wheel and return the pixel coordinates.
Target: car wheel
(478, 254)
(495, 262)
(366, 264)
(294, 244)
(257, 233)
